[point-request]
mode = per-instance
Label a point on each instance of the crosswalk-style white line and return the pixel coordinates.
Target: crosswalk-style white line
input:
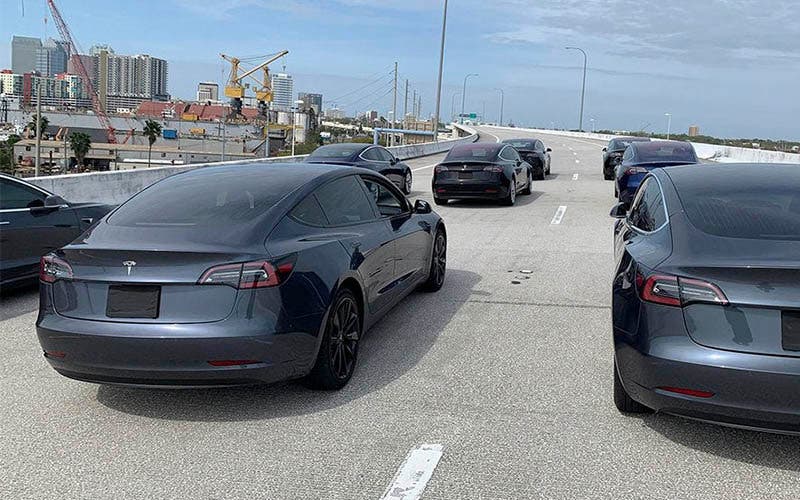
(559, 215)
(414, 473)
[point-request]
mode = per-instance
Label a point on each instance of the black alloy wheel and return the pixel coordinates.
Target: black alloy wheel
(438, 263)
(511, 198)
(407, 182)
(336, 360)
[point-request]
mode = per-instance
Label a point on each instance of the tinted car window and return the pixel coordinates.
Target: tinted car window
(387, 202)
(335, 151)
(659, 151)
(385, 154)
(309, 211)
(472, 152)
(539, 146)
(15, 195)
(521, 144)
(744, 211)
(373, 154)
(647, 212)
(344, 201)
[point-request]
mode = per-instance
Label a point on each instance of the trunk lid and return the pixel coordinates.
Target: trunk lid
(466, 170)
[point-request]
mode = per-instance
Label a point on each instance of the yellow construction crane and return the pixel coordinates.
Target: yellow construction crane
(235, 89)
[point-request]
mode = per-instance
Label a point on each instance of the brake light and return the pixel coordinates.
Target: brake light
(635, 170)
(233, 362)
(493, 168)
(51, 268)
(678, 292)
(687, 392)
(255, 274)
(440, 168)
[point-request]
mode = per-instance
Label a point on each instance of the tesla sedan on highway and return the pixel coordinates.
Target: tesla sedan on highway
(482, 170)
(376, 158)
(236, 275)
(642, 157)
(612, 154)
(33, 222)
(535, 153)
(706, 296)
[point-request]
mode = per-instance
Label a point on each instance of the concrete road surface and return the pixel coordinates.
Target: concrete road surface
(513, 380)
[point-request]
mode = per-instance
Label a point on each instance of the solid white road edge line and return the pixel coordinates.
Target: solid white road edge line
(423, 168)
(575, 177)
(414, 473)
(559, 215)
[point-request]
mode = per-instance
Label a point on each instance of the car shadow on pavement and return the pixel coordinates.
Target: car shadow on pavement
(522, 200)
(777, 451)
(18, 301)
(390, 349)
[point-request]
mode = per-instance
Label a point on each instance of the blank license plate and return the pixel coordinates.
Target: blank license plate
(465, 175)
(133, 301)
(790, 326)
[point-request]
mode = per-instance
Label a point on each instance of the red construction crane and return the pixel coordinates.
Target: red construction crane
(63, 29)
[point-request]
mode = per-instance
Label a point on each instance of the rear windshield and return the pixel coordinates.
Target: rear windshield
(521, 144)
(334, 151)
(621, 144)
(654, 152)
(765, 213)
(202, 198)
(472, 152)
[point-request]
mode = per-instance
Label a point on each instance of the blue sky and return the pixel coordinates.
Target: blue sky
(730, 66)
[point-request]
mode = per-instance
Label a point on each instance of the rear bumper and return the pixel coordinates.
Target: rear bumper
(750, 390)
(491, 190)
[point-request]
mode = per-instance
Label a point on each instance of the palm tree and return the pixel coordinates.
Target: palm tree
(43, 123)
(151, 130)
(80, 144)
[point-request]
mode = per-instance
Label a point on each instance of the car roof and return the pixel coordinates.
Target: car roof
(491, 146)
(732, 174)
(520, 139)
(631, 139)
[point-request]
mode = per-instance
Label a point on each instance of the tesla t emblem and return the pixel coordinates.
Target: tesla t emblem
(129, 264)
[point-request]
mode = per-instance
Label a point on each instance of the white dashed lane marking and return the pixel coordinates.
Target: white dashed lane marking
(559, 215)
(415, 472)
(575, 177)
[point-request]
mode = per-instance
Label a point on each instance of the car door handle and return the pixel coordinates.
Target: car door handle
(87, 220)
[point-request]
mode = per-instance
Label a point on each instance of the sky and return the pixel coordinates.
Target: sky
(730, 66)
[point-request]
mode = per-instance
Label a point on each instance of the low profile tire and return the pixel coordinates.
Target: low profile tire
(512, 193)
(539, 176)
(529, 187)
(438, 264)
(622, 399)
(407, 182)
(440, 201)
(338, 352)
(608, 175)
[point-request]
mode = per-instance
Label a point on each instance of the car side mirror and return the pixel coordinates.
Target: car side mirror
(605, 149)
(620, 211)
(393, 161)
(548, 150)
(54, 201)
(422, 207)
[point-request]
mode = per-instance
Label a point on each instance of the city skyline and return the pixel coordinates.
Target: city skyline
(745, 89)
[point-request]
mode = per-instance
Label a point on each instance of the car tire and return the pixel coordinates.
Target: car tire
(608, 175)
(529, 187)
(539, 176)
(407, 182)
(438, 263)
(512, 193)
(622, 399)
(338, 352)
(440, 201)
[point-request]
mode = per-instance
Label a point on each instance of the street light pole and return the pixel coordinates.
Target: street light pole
(38, 127)
(453, 106)
(669, 123)
(464, 95)
(592, 121)
(583, 88)
(502, 98)
(439, 80)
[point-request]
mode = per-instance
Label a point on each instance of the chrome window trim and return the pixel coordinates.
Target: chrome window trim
(26, 185)
(361, 155)
(663, 203)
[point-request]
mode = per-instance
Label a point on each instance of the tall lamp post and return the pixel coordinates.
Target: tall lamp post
(669, 123)
(294, 123)
(453, 105)
(435, 127)
(502, 99)
(464, 95)
(583, 88)
(592, 121)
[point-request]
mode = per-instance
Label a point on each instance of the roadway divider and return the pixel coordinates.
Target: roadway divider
(118, 185)
(712, 152)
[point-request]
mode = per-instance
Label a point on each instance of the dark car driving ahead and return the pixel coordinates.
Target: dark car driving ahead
(640, 158)
(706, 295)
(235, 275)
(369, 156)
(34, 222)
(535, 153)
(482, 170)
(612, 154)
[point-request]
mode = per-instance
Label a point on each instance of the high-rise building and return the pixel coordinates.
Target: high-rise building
(311, 101)
(52, 57)
(124, 82)
(207, 91)
(694, 131)
(282, 91)
(23, 54)
(89, 62)
(334, 113)
(371, 115)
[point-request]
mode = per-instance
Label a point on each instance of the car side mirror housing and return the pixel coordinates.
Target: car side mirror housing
(548, 150)
(620, 211)
(393, 161)
(422, 207)
(54, 201)
(605, 149)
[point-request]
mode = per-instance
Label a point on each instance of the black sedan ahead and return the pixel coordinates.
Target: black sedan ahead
(533, 152)
(706, 296)
(482, 170)
(34, 222)
(376, 158)
(612, 154)
(643, 157)
(236, 275)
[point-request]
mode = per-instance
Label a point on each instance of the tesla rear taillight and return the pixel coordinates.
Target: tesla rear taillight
(635, 170)
(51, 268)
(493, 168)
(687, 392)
(255, 274)
(676, 291)
(439, 169)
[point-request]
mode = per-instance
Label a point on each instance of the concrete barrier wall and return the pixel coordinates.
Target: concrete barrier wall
(713, 152)
(119, 185)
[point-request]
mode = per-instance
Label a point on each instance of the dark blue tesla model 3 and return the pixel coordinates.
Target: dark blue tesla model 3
(640, 158)
(236, 275)
(706, 296)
